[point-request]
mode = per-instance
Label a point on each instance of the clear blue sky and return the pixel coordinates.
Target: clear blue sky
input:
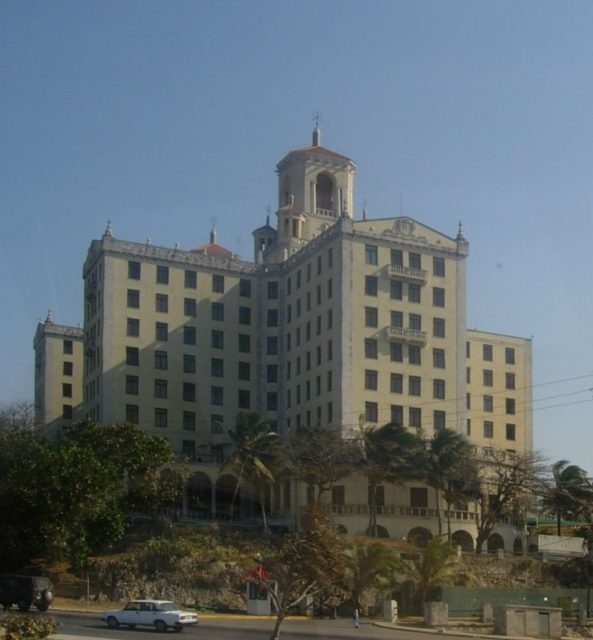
(169, 116)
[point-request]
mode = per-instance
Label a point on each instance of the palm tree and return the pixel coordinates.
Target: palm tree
(570, 493)
(255, 456)
(388, 454)
(446, 464)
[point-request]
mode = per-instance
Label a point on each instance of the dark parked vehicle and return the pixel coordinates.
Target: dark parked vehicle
(25, 591)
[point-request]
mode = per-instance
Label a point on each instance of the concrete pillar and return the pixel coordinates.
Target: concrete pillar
(436, 614)
(390, 610)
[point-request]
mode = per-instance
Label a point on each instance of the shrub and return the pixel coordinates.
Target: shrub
(23, 627)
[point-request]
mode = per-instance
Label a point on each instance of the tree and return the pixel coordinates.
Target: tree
(17, 416)
(370, 567)
(387, 454)
(568, 494)
(504, 485)
(320, 457)
(429, 568)
(303, 564)
(447, 464)
(255, 456)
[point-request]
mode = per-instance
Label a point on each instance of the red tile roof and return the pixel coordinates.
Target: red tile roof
(212, 249)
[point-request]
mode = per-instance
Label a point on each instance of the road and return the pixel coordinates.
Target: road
(237, 629)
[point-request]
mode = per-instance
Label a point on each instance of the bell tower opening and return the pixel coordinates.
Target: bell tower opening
(324, 194)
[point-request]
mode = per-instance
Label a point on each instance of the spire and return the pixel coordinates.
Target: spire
(50, 318)
(316, 131)
(108, 230)
(213, 236)
(460, 235)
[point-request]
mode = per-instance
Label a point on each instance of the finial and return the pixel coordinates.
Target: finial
(108, 230)
(364, 209)
(292, 199)
(147, 241)
(213, 235)
(268, 211)
(460, 235)
(176, 246)
(50, 318)
(316, 131)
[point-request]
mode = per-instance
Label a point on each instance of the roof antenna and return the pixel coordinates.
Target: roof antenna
(316, 131)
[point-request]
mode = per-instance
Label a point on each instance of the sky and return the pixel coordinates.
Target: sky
(168, 117)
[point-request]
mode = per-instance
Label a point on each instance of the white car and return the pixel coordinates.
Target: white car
(160, 614)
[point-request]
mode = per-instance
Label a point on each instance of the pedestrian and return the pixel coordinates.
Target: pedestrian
(356, 619)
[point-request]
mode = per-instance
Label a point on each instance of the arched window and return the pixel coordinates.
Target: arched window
(324, 192)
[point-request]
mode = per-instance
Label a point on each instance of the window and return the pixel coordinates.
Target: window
(438, 358)
(318, 326)
(468, 427)
(132, 413)
(439, 419)
(161, 303)
(438, 266)
(510, 431)
(396, 352)
(217, 367)
(132, 356)
(272, 319)
(66, 390)
(414, 385)
(272, 345)
(415, 321)
(397, 319)
(438, 297)
(189, 421)
(191, 279)
(371, 254)
(162, 275)
(509, 380)
(160, 417)
(397, 258)
(414, 355)
(396, 289)
(487, 352)
(161, 331)
(244, 372)
(413, 293)
(217, 311)
(330, 288)
(468, 400)
(396, 383)
(371, 317)
(509, 355)
(244, 315)
(67, 347)
(329, 381)
(467, 349)
(419, 497)
(132, 385)
(370, 285)
(133, 270)
(244, 343)
(190, 307)
(487, 377)
(189, 392)
(488, 403)
(160, 360)
(438, 327)
(488, 429)
(370, 348)
(67, 368)
(468, 375)
(438, 389)
(415, 260)
(217, 284)
(509, 405)
(244, 399)
(330, 318)
(217, 339)
(133, 298)
(189, 335)
(188, 449)
(273, 288)
(397, 415)
(133, 328)
(67, 411)
(160, 388)
(371, 411)
(272, 401)
(415, 417)
(189, 363)
(216, 423)
(245, 288)
(298, 279)
(370, 379)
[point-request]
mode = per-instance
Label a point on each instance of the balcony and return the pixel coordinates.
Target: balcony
(409, 274)
(325, 212)
(403, 511)
(409, 336)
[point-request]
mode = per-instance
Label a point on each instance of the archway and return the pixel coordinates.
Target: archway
(199, 495)
(518, 547)
(419, 536)
(381, 531)
(462, 539)
(495, 542)
(341, 529)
